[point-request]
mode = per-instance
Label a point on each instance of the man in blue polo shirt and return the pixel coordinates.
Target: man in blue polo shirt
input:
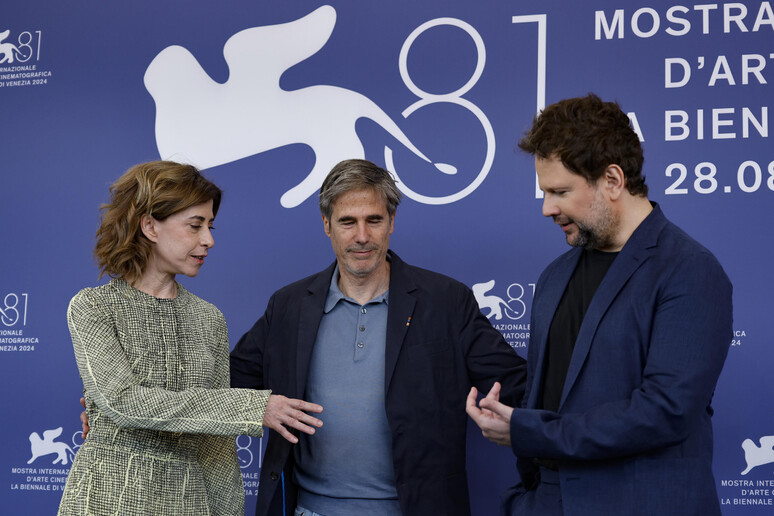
(390, 351)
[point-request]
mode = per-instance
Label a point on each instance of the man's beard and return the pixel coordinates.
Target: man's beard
(598, 232)
(588, 238)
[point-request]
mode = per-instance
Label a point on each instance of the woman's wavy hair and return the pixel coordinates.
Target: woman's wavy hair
(158, 189)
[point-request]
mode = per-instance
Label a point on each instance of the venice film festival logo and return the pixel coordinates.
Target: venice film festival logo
(48, 445)
(26, 46)
(514, 308)
(10, 52)
(755, 455)
(504, 313)
(206, 123)
(13, 309)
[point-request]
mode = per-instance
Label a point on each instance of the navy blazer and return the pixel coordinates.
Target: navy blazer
(430, 364)
(633, 433)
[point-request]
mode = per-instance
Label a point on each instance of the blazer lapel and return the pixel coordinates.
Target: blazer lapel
(309, 317)
(635, 252)
(550, 296)
(399, 313)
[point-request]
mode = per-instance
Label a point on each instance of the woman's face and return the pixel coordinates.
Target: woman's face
(181, 240)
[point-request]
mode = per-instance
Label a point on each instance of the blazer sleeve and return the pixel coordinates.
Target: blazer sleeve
(110, 383)
(488, 357)
(247, 356)
(691, 330)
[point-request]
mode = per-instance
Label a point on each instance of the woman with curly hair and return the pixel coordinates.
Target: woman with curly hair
(154, 362)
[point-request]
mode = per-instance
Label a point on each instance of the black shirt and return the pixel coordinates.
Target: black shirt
(591, 269)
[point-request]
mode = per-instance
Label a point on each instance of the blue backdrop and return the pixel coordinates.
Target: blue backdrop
(266, 96)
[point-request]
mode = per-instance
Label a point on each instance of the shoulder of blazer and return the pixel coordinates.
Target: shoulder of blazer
(314, 284)
(409, 278)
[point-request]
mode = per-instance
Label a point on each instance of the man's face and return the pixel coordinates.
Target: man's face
(359, 229)
(580, 208)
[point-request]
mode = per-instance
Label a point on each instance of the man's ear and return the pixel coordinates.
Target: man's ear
(614, 181)
(326, 225)
(148, 227)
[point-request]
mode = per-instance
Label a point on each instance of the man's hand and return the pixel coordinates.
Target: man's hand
(282, 412)
(493, 418)
(84, 420)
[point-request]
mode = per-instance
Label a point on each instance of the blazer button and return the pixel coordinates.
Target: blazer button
(274, 475)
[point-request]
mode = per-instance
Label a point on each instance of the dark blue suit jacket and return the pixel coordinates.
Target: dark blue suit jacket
(633, 433)
(430, 365)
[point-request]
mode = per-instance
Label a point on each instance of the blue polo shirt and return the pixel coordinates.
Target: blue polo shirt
(345, 468)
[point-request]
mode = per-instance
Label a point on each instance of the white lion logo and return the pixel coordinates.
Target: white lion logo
(496, 304)
(758, 455)
(207, 123)
(46, 446)
(8, 50)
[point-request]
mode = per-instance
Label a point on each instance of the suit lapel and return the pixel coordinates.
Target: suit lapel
(550, 296)
(309, 317)
(636, 251)
(399, 313)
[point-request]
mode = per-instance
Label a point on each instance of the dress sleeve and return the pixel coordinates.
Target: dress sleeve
(110, 383)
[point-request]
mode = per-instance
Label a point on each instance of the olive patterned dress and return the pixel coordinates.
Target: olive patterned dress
(162, 416)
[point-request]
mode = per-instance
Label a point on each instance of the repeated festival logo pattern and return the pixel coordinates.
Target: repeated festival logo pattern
(755, 455)
(47, 445)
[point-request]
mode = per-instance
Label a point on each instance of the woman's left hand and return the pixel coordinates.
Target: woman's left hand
(282, 412)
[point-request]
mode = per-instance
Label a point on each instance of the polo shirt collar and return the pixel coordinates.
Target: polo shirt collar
(335, 294)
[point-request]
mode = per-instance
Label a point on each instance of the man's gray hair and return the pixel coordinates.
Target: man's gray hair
(356, 174)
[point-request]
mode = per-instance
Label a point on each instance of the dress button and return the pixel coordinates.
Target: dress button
(360, 344)
(274, 475)
(363, 310)
(362, 328)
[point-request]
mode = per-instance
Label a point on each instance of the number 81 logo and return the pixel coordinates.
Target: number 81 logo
(11, 312)
(245, 454)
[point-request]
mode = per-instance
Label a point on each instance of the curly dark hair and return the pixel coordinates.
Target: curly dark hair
(158, 189)
(588, 134)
